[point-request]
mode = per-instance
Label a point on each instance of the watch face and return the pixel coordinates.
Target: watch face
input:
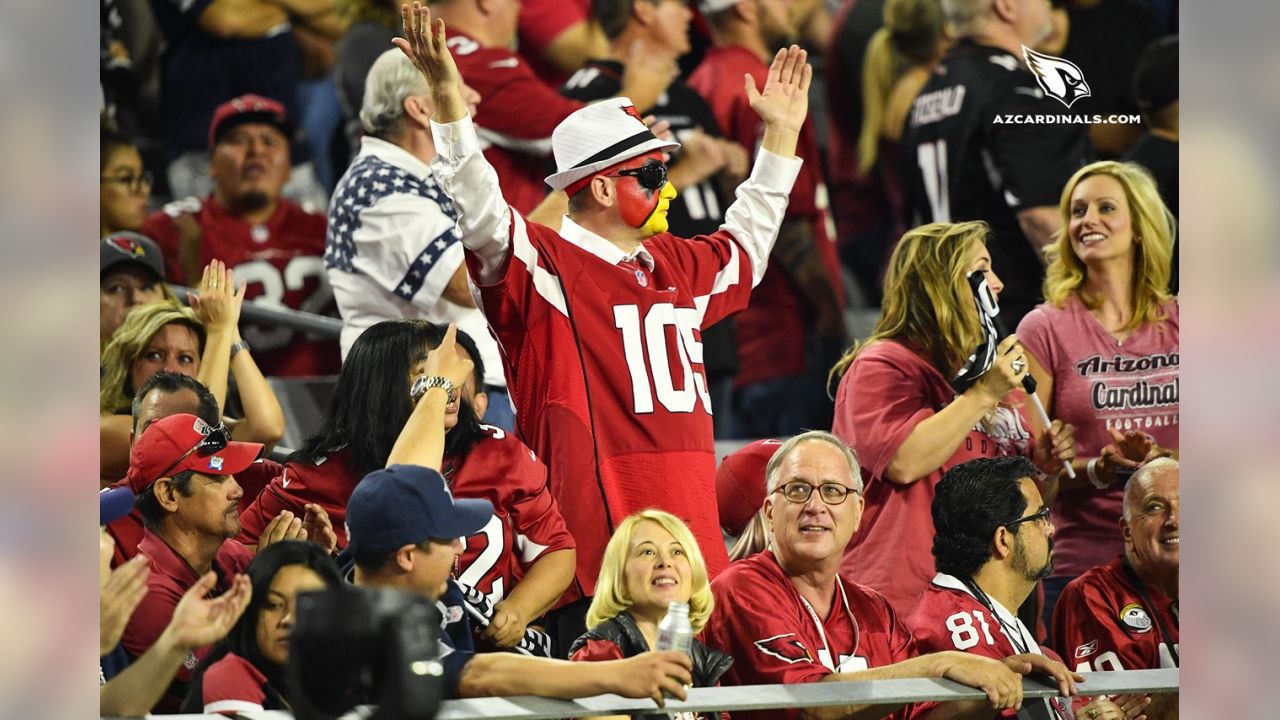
(419, 387)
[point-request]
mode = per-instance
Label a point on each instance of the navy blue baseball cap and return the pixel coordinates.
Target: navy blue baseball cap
(406, 505)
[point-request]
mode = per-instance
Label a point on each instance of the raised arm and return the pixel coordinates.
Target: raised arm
(421, 442)
(467, 178)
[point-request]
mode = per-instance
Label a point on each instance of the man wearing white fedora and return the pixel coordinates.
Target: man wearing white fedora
(599, 325)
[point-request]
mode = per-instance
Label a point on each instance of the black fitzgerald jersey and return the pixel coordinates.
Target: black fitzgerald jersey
(965, 156)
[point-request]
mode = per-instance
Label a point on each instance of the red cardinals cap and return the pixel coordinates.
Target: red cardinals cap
(740, 486)
(246, 109)
(185, 442)
(599, 136)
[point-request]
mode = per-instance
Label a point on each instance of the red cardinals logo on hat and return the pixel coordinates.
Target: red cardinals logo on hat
(128, 246)
(631, 110)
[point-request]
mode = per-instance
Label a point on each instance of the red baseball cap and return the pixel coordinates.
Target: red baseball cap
(245, 109)
(185, 442)
(740, 486)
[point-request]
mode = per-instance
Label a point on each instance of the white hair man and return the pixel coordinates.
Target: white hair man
(1124, 615)
(788, 616)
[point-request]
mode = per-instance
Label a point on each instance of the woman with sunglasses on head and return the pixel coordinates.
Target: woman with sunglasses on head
(1103, 349)
(651, 561)
(245, 672)
(202, 342)
(523, 560)
(914, 401)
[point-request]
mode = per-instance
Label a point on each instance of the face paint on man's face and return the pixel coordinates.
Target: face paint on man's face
(639, 205)
(657, 222)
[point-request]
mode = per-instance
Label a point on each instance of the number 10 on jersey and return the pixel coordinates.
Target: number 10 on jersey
(648, 340)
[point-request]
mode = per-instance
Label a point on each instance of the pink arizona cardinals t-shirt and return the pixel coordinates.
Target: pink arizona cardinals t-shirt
(1101, 383)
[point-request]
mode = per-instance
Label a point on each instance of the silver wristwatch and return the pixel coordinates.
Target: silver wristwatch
(426, 382)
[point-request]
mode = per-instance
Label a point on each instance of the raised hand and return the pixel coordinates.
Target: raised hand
(199, 621)
(218, 300)
(784, 103)
(424, 44)
(447, 363)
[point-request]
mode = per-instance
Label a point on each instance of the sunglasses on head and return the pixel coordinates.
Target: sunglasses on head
(213, 441)
(651, 176)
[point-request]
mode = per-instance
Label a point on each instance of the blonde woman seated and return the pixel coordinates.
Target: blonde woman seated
(651, 560)
(202, 342)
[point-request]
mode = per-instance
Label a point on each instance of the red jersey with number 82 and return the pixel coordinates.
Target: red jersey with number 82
(282, 260)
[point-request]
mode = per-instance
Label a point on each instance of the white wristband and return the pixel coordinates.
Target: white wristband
(1092, 471)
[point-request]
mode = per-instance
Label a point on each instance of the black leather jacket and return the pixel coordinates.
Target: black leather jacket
(708, 663)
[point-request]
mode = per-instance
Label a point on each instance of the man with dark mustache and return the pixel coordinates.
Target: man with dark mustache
(993, 542)
(272, 243)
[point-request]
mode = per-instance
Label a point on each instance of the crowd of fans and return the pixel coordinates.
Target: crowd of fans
(573, 243)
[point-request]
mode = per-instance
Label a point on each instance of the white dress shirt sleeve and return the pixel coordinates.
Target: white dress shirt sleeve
(484, 217)
(756, 214)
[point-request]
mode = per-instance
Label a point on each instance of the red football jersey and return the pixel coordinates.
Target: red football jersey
(499, 468)
(282, 260)
(775, 637)
(526, 522)
(515, 118)
(949, 618)
(233, 685)
(618, 405)
(771, 330)
(1101, 622)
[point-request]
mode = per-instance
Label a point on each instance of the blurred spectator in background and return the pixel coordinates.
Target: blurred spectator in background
(960, 164)
(517, 140)
(393, 249)
(131, 274)
(370, 26)
(1155, 87)
(899, 58)
(706, 169)
(1104, 352)
(217, 50)
(183, 472)
(651, 561)
(859, 204)
(557, 37)
(404, 526)
(791, 615)
(124, 185)
(994, 542)
(740, 491)
(793, 328)
(271, 242)
(246, 671)
(1124, 615)
(913, 403)
(197, 621)
(201, 343)
(1106, 39)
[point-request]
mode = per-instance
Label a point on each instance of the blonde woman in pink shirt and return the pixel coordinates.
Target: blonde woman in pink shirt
(1103, 349)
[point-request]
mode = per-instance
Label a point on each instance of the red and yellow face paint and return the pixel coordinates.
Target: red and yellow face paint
(644, 194)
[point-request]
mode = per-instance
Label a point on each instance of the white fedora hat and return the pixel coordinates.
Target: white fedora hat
(709, 7)
(598, 136)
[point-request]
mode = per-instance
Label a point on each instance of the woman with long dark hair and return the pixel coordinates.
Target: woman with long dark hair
(246, 671)
(368, 426)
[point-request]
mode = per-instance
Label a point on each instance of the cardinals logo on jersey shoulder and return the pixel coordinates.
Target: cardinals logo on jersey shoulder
(1135, 618)
(1060, 79)
(785, 647)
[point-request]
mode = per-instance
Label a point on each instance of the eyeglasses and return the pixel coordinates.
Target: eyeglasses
(651, 176)
(133, 183)
(213, 441)
(1041, 518)
(798, 491)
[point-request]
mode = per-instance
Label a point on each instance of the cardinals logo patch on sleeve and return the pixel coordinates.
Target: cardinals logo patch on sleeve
(786, 648)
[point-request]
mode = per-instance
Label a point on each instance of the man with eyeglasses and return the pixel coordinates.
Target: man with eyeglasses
(993, 542)
(788, 616)
(600, 323)
(1124, 615)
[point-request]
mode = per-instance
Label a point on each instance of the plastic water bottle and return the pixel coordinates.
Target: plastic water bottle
(674, 632)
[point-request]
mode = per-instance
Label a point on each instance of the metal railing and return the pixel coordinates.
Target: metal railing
(766, 697)
(256, 312)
